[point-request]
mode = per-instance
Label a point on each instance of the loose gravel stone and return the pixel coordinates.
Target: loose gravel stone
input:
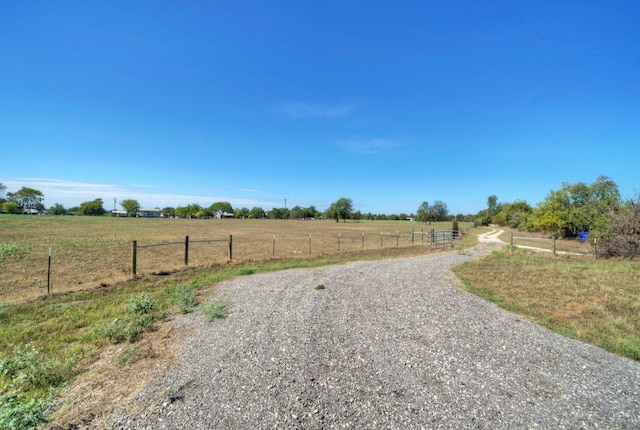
(386, 344)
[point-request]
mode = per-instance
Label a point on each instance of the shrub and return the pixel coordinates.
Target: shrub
(185, 296)
(214, 308)
(621, 238)
(140, 305)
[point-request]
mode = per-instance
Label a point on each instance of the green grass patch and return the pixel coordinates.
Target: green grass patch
(595, 301)
(215, 308)
(319, 287)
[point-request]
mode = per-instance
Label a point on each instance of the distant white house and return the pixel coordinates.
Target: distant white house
(223, 214)
(119, 213)
(149, 213)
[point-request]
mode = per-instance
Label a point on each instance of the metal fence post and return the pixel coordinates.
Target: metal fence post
(134, 258)
(186, 250)
(230, 247)
(49, 274)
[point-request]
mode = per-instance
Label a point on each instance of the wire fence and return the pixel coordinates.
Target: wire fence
(88, 265)
(555, 246)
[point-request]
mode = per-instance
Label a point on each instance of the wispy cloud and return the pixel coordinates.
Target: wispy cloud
(368, 146)
(72, 193)
(314, 110)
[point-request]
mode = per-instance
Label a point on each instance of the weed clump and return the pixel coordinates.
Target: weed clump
(184, 296)
(24, 376)
(214, 308)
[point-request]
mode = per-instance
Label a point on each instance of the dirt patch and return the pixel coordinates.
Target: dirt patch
(572, 309)
(105, 383)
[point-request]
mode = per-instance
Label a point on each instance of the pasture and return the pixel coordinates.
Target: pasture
(89, 252)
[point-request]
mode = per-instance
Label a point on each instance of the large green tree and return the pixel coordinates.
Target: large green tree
(27, 199)
(131, 206)
(577, 207)
(220, 207)
(422, 213)
(256, 212)
(340, 209)
(93, 208)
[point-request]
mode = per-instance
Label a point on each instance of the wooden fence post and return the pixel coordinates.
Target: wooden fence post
(309, 243)
(339, 241)
(134, 258)
(363, 240)
(273, 248)
(511, 240)
(397, 238)
(186, 250)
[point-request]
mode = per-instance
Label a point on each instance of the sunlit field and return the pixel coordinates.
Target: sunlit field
(89, 252)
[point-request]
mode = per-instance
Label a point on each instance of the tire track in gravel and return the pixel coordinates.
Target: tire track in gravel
(386, 344)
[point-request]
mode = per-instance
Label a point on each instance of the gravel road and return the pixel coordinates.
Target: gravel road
(386, 344)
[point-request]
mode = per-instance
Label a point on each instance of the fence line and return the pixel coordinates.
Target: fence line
(584, 248)
(75, 267)
(134, 258)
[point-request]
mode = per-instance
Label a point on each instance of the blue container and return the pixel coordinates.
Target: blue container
(583, 236)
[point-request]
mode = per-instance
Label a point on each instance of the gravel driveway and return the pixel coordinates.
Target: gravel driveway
(386, 344)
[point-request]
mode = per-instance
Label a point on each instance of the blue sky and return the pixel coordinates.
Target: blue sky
(389, 103)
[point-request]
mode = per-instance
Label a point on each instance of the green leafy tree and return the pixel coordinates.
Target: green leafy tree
(256, 213)
(422, 214)
(92, 208)
(241, 213)
(577, 207)
(340, 209)
(3, 188)
(27, 199)
(278, 213)
(438, 211)
(168, 211)
(220, 207)
(10, 207)
(131, 206)
(57, 209)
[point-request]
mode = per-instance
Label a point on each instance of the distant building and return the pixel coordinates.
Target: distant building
(118, 213)
(223, 214)
(149, 213)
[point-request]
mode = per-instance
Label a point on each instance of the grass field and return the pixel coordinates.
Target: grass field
(597, 301)
(88, 252)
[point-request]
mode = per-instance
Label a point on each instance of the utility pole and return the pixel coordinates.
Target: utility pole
(114, 203)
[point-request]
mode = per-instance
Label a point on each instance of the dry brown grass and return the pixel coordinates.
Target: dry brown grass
(89, 252)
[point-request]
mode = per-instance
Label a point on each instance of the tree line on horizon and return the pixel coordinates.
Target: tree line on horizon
(597, 208)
